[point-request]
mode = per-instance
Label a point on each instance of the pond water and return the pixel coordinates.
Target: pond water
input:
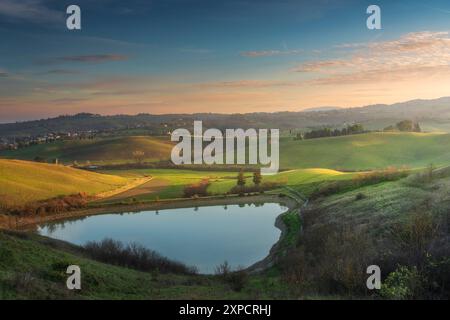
(203, 237)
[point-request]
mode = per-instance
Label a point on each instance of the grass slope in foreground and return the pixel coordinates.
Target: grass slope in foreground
(97, 151)
(33, 267)
(23, 181)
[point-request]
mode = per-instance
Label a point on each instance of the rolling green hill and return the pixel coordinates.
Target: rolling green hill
(357, 152)
(367, 151)
(23, 181)
(112, 150)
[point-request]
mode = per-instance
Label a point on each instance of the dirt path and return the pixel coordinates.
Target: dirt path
(149, 187)
(126, 188)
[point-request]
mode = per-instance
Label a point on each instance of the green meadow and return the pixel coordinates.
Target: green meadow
(348, 153)
(367, 151)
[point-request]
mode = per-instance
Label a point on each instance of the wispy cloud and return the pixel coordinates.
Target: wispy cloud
(93, 59)
(34, 11)
(96, 58)
(250, 84)
(270, 53)
(59, 72)
(420, 53)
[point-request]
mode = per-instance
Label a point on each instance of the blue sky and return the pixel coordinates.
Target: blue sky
(171, 56)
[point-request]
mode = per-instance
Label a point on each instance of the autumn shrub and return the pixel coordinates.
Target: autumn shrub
(266, 186)
(198, 189)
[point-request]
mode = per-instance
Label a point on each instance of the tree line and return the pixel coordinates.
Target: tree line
(402, 126)
(328, 132)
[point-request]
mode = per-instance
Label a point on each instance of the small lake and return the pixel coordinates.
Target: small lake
(203, 237)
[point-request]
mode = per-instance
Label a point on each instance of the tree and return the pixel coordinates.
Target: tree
(241, 179)
(417, 127)
(138, 156)
(405, 125)
(257, 178)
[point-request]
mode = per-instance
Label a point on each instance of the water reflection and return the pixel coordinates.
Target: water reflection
(200, 236)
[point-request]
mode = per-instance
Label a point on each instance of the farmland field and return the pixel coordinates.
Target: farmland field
(348, 153)
(23, 181)
(367, 151)
(97, 151)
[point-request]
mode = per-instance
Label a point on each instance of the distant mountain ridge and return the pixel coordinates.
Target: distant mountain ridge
(319, 109)
(372, 115)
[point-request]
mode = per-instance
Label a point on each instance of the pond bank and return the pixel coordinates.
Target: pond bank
(30, 223)
(17, 222)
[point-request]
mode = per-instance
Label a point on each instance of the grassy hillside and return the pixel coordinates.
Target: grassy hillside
(33, 267)
(386, 203)
(367, 151)
(23, 181)
(357, 152)
(112, 150)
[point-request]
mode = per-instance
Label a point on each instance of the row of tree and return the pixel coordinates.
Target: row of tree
(257, 178)
(403, 126)
(328, 132)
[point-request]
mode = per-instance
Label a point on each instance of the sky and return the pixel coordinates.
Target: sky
(234, 56)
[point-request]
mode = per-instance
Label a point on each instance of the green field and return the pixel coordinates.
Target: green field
(23, 181)
(357, 152)
(169, 183)
(367, 151)
(337, 155)
(302, 179)
(97, 151)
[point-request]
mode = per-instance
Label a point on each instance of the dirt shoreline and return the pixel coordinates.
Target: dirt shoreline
(17, 222)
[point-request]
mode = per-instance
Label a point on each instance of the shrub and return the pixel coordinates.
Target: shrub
(437, 273)
(223, 269)
(415, 238)
(328, 258)
(404, 283)
(241, 179)
(235, 279)
(199, 189)
(241, 190)
(134, 256)
(55, 205)
(360, 196)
